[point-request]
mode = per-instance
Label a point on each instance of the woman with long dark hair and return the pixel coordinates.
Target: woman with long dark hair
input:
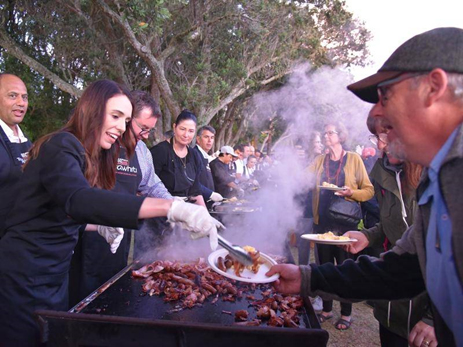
(343, 169)
(64, 185)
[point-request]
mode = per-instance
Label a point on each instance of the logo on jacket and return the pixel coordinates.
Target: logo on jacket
(23, 157)
(122, 161)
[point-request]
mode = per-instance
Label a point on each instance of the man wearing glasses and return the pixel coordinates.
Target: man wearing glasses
(418, 93)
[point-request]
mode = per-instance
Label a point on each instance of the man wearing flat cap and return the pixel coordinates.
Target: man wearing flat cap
(418, 94)
(224, 182)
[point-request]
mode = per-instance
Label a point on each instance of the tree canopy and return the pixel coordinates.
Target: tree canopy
(204, 55)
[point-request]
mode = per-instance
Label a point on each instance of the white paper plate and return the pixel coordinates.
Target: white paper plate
(335, 189)
(247, 276)
(314, 238)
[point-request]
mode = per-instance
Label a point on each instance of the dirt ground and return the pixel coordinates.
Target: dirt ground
(364, 331)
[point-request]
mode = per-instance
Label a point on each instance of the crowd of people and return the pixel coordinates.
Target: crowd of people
(71, 200)
(417, 101)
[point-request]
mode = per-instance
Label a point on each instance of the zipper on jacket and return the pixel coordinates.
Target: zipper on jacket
(402, 204)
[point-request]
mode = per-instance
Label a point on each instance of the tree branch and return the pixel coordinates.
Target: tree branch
(13, 49)
(156, 66)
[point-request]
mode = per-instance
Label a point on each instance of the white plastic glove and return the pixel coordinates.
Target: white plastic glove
(196, 219)
(112, 235)
(216, 197)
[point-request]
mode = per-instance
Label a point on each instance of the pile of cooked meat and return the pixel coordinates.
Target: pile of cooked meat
(193, 283)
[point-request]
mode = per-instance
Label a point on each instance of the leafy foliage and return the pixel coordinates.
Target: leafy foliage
(199, 54)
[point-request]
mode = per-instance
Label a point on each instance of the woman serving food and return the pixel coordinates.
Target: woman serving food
(66, 184)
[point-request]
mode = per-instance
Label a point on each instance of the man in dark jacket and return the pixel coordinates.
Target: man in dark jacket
(204, 141)
(417, 93)
(14, 146)
(224, 182)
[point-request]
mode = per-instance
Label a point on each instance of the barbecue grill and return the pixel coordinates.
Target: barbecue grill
(119, 313)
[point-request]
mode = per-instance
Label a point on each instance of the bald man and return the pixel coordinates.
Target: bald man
(14, 146)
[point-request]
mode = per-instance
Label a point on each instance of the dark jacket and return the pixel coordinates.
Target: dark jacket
(402, 315)
(205, 177)
(401, 272)
(178, 180)
(42, 231)
(12, 157)
(222, 177)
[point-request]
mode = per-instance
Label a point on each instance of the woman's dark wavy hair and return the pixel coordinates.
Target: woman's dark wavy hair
(86, 124)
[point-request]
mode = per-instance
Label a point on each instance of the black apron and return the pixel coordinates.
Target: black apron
(93, 263)
(12, 157)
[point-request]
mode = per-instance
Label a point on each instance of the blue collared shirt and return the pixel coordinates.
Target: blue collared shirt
(442, 281)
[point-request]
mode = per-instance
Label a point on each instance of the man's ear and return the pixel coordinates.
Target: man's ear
(437, 81)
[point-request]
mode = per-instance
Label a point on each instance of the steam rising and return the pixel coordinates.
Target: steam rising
(306, 102)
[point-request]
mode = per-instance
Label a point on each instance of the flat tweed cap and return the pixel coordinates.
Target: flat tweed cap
(437, 48)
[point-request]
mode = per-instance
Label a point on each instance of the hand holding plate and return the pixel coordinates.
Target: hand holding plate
(358, 245)
(290, 278)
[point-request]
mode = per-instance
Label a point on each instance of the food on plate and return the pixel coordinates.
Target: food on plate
(330, 236)
(329, 185)
(229, 262)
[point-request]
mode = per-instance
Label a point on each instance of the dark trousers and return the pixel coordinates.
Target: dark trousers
(390, 339)
(328, 254)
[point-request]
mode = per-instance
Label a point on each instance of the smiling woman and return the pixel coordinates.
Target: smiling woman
(60, 193)
(118, 114)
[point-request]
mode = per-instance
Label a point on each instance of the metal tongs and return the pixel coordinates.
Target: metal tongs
(235, 251)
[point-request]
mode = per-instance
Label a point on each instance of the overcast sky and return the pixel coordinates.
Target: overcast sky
(392, 22)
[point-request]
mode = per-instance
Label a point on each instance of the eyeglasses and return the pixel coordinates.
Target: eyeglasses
(330, 132)
(143, 131)
(384, 87)
(376, 138)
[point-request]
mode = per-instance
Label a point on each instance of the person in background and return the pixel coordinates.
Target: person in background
(395, 183)
(258, 154)
(344, 169)
(369, 158)
(65, 184)
(93, 263)
(242, 151)
(250, 167)
(418, 95)
(14, 146)
(223, 180)
(304, 199)
(315, 146)
(177, 165)
(204, 143)
(370, 208)
(252, 150)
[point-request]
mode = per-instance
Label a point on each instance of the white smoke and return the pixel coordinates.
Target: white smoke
(306, 101)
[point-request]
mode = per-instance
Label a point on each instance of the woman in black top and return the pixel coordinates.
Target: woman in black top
(177, 165)
(65, 184)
